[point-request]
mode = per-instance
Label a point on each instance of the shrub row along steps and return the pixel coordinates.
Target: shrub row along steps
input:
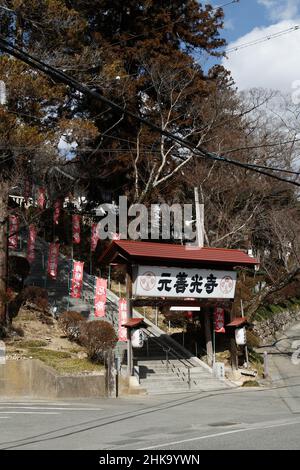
(158, 373)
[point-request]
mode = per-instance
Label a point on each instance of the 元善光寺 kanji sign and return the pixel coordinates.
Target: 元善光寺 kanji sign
(159, 281)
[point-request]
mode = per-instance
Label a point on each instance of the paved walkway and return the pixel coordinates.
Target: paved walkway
(285, 367)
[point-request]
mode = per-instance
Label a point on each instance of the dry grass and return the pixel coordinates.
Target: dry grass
(62, 361)
(46, 343)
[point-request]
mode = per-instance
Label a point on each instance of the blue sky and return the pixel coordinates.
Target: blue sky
(272, 64)
(242, 17)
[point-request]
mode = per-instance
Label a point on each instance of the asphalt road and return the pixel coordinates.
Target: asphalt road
(264, 418)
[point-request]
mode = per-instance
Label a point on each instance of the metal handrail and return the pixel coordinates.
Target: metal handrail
(174, 369)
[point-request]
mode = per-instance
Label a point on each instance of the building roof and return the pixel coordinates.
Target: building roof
(134, 323)
(240, 321)
(129, 251)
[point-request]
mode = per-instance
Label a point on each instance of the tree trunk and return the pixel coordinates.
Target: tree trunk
(3, 248)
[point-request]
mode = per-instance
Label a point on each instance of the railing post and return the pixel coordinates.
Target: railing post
(189, 377)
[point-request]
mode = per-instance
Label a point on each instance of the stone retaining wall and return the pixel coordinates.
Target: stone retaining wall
(269, 329)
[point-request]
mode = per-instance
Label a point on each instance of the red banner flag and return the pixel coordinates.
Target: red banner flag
(122, 319)
(94, 237)
(219, 317)
(53, 260)
(77, 278)
(76, 228)
(56, 214)
(41, 197)
(100, 297)
(13, 232)
(31, 243)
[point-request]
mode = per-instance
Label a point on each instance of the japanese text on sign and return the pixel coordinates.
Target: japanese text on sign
(157, 281)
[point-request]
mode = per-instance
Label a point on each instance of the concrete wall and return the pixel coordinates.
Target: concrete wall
(32, 378)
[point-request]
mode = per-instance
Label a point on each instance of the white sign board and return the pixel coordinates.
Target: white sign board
(159, 281)
(240, 336)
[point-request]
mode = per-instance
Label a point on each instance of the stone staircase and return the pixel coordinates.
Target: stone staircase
(161, 366)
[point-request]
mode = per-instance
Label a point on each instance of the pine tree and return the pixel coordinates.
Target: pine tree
(123, 49)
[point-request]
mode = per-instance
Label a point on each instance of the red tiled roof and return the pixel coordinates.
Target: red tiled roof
(130, 250)
(134, 323)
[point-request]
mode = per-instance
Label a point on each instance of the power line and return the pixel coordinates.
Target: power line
(226, 4)
(63, 78)
(263, 39)
(144, 152)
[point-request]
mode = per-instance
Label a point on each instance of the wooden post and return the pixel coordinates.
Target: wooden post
(3, 246)
(233, 346)
(129, 315)
(207, 326)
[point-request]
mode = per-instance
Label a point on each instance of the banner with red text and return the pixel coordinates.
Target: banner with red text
(122, 319)
(53, 260)
(100, 297)
(56, 214)
(219, 320)
(77, 279)
(94, 237)
(13, 232)
(31, 243)
(76, 228)
(41, 197)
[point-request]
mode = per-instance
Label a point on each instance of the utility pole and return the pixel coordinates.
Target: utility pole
(3, 247)
(199, 219)
(3, 227)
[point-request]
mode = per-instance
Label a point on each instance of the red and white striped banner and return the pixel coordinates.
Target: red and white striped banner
(53, 260)
(100, 297)
(76, 228)
(31, 243)
(122, 319)
(41, 197)
(94, 237)
(56, 214)
(219, 320)
(13, 232)
(77, 278)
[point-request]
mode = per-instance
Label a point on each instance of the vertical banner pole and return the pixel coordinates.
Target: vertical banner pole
(69, 278)
(214, 347)
(129, 314)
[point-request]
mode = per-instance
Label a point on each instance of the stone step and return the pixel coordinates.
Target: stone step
(160, 359)
(162, 369)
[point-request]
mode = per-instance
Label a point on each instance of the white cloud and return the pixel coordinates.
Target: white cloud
(281, 9)
(271, 64)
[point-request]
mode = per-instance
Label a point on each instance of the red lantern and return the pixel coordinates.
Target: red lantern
(189, 315)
